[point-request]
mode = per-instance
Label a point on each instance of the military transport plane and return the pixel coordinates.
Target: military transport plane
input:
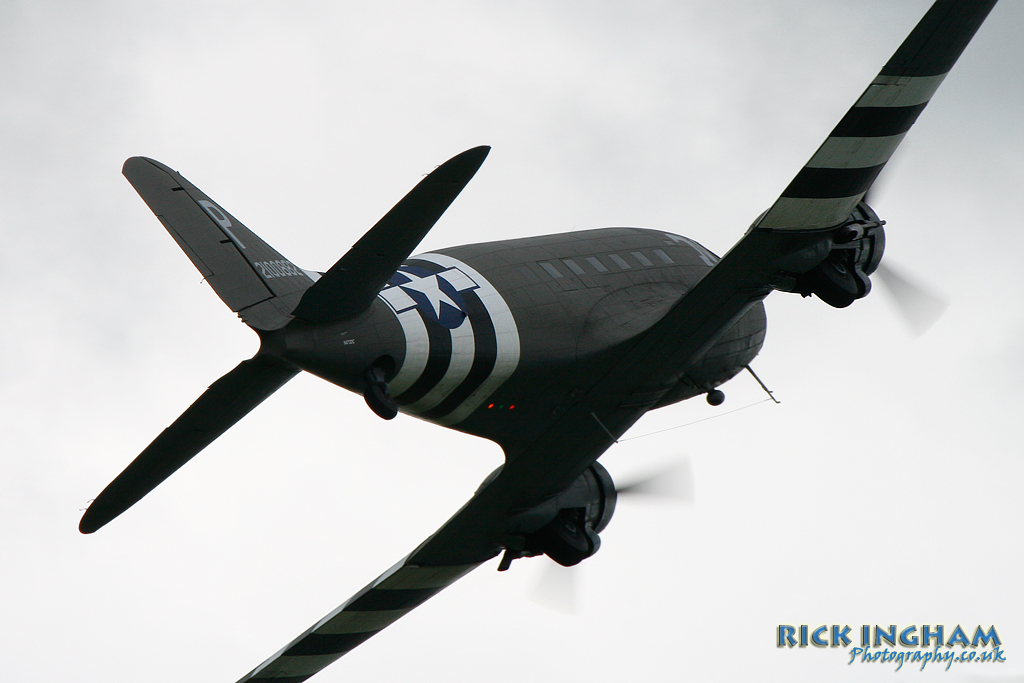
(550, 346)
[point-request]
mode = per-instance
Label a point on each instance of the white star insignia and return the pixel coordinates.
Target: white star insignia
(429, 287)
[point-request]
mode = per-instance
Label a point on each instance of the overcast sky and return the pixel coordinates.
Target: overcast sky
(884, 489)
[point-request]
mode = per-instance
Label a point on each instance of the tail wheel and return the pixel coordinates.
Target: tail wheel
(378, 394)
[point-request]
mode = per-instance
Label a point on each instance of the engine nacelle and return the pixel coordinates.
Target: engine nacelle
(854, 251)
(566, 526)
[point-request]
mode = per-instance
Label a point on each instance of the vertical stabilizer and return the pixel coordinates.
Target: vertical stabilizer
(249, 275)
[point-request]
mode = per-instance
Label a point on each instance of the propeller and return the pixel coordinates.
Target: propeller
(919, 305)
(675, 482)
(558, 586)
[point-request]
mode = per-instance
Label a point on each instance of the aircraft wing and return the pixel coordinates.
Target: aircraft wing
(388, 598)
(479, 529)
(795, 235)
(835, 179)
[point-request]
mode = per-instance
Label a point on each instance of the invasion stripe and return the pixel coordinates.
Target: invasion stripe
(442, 377)
(876, 122)
(463, 345)
(417, 576)
(301, 667)
(361, 622)
(794, 213)
(824, 192)
(320, 644)
(389, 599)
(417, 351)
(506, 335)
(829, 183)
(855, 152)
(900, 91)
(483, 363)
(438, 361)
(343, 629)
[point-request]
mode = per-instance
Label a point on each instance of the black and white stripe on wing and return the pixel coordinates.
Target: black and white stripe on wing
(383, 602)
(835, 179)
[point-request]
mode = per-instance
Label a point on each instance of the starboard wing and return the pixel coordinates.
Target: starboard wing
(835, 179)
(791, 235)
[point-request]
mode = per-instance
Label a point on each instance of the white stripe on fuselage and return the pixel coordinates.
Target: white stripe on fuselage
(506, 337)
(463, 352)
(417, 350)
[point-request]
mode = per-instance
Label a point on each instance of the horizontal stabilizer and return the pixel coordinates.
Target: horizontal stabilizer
(251, 277)
(350, 286)
(227, 401)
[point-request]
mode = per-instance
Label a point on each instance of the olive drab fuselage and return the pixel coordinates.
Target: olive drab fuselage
(492, 338)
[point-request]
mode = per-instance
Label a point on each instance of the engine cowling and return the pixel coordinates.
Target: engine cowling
(564, 527)
(572, 536)
(854, 251)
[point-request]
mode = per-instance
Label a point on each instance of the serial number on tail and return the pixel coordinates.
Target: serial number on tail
(281, 268)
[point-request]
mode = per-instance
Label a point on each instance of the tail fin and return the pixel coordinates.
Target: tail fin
(252, 278)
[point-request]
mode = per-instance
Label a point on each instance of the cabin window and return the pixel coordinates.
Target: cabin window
(598, 266)
(571, 265)
(618, 260)
(644, 261)
(663, 256)
(550, 269)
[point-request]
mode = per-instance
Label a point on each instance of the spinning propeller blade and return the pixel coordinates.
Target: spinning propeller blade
(676, 482)
(558, 587)
(920, 307)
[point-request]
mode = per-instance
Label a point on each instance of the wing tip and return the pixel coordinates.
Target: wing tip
(139, 163)
(89, 525)
(97, 515)
(468, 162)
